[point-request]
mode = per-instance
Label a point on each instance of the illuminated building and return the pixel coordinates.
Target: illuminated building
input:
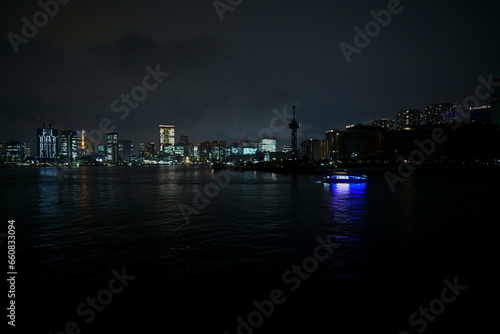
(384, 123)
(184, 148)
(311, 149)
(69, 145)
(332, 144)
(408, 119)
(324, 149)
(112, 147)
(218, 150)
(81, 145)
(167, 137)
(47, 142)
(16, 151)
(480, 115)
(125, 150)
(267, 145)
(361, 142)
(205, 151)
(147, 150)
(212, 151)
(441, 113)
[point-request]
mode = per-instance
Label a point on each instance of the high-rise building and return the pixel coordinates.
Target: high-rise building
(480, 115)
(167, 137)
(267, 145)
(384, 123)
(183, 145)
(147, 150)
(69, 145)
(101, 150)
(408, 119)
(205, 151)
(324, 149)
(311, 149)
(125, 150)
(495, 102)
(218, 150)
(361, 142)
(47, 142)
(332, 144)
(441, 113)
(211, 151)
(16, 151)
(112, 147)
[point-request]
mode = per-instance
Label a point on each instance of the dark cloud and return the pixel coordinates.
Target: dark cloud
(226, 77)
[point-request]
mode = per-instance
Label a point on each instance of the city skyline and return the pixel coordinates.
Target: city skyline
(428, 115)
(72, 145)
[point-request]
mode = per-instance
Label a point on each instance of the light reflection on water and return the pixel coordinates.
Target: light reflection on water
(347, 208)
(347, 202)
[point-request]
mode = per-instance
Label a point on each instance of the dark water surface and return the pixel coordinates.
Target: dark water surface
(395, 250)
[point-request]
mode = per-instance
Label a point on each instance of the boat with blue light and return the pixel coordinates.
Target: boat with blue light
(344, 176)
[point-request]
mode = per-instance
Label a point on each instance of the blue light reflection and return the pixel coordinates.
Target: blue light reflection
(347, 208)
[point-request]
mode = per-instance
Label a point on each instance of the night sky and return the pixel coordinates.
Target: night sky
(227, 76)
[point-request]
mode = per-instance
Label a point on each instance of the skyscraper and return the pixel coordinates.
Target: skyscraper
(311, 149)
(125, 150)
(441, 113)
(112, 147)
(408, 118)
(332, 144)
(69, 144)
(384, 123)
(147, 150)
(46, 142)
(480, 115)
(167, 137)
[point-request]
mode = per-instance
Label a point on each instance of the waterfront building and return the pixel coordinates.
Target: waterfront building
(332, 144)
(47, 142)
(69, 145)
(267, 145)
(311, 149)
(167, 137)
(441, 113)
(480, 115)
(16, 151)
(112, 147)
(361, 142)
(125, 150)
(408, 119)
(385, 123)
